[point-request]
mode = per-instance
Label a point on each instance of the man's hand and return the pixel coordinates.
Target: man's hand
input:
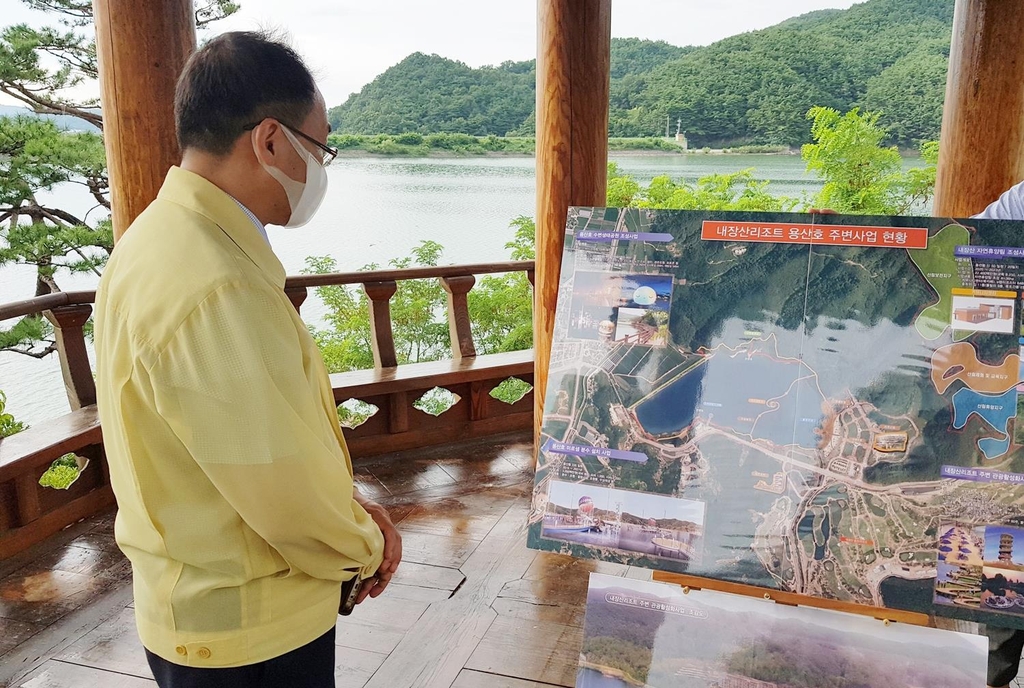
(373, 587)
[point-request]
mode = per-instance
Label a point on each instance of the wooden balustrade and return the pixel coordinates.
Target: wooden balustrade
(382, 338)
(459, 326)
(68, 328)
(30, 513)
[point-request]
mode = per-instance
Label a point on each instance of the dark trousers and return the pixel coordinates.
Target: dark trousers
(310, 666)
(1004, 649)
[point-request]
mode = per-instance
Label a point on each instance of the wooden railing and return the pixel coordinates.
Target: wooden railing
(29, 513)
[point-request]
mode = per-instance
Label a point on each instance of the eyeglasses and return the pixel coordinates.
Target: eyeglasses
(329, 153)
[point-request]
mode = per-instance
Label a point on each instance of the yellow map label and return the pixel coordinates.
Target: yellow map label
(985, 293)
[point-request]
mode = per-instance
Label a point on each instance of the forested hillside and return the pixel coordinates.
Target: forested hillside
(883, 55)
(430, 94)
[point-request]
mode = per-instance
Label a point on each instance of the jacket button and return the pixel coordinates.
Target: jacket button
(181, 650)
(203, 652)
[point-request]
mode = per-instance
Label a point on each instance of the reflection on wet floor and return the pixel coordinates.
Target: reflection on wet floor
(470, 607)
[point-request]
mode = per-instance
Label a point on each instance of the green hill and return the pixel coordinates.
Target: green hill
(883, 55)
(430, 94)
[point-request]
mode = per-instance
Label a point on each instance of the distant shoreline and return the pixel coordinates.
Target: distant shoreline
(446, 145)
(362, 153)
(441, 154)
(641, 152)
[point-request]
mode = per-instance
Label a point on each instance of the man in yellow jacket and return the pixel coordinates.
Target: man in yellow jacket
(234, 486)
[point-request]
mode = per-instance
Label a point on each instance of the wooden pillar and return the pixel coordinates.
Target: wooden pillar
(297, 295)
(460, 326)
(68, 329)
(382, 336)
(142, 48)
(573, 66)
(982, 148)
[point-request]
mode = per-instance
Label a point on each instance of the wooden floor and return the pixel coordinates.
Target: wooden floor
(470, 607)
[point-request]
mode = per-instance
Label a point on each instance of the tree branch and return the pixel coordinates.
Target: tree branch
(45, 106)
(81, 59)
(79, 11)
(96, 187)
(51, 347)
(47, 281)
(57, 215)
(93, 269)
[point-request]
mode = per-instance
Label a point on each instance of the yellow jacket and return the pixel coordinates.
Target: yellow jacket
(233, 482)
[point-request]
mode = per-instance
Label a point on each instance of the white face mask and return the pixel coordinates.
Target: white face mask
(303, 198)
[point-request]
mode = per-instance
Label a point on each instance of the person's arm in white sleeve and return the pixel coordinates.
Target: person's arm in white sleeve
(1009, 206)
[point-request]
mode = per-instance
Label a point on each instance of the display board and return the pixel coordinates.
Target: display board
(823, 405)
(638, 633)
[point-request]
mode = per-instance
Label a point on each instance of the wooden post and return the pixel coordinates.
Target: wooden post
(573, 66)
(982, 149)
(382, 338)
(297, 295)
(26, 488)
(69, 331)
(142, 48)
(460, 327)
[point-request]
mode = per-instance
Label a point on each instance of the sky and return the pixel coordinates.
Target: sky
(847, 624)
(349, 42)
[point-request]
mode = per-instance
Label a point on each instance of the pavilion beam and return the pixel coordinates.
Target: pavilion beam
(573, 70)
(141, 48)
(982, 147)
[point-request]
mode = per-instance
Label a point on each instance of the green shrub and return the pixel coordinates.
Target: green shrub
(758, 149)
(8, 425)
(647, 143)
(346, 141)
(409, 138)
(388, 147)
(453, 142)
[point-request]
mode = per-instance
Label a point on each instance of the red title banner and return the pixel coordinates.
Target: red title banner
(819, 235)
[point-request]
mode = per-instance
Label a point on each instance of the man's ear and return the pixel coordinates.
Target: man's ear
(264, 136)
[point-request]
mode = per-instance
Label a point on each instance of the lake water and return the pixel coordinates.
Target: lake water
(588, 678)
(722, 390)
(378, 209)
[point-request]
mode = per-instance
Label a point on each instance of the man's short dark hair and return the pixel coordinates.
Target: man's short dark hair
(236, 80)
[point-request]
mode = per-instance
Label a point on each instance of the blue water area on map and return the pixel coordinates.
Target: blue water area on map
(757, 395)
(674, 407)
(805, 527)
(800, 411)
(589, 678)
(994, 409)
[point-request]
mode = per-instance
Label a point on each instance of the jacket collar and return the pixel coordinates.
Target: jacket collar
(200, 195)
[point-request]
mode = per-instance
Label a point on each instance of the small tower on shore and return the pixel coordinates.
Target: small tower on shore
(680, 136)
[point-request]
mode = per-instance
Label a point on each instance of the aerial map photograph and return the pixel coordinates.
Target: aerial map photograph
(838, 398)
